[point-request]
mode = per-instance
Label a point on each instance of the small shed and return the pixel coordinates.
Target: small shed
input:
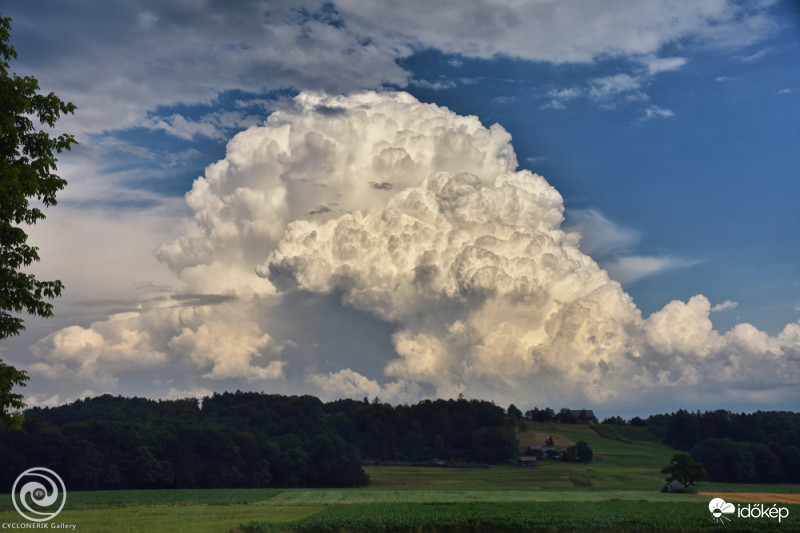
(675, 486)
(526, 460)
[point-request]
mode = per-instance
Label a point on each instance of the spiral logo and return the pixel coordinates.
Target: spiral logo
(40, 491)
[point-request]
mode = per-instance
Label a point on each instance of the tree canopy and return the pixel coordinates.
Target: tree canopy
(684, 469)
(247, 439)
(27, 171)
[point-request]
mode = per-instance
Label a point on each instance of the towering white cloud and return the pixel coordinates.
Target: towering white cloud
(486, 289)
(419, 218)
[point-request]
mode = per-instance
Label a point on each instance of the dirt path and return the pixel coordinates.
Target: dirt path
(755, 497)
(529, 438)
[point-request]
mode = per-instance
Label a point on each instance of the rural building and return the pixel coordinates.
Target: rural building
(544, 451)
(675, 486)
(526, 460)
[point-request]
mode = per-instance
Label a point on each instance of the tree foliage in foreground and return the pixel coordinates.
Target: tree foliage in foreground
(9, 378)
(27, 171)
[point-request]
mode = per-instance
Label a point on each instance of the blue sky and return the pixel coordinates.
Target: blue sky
(707, 182)
(670, 132)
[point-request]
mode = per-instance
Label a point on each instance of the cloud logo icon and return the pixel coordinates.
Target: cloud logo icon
(720, 507)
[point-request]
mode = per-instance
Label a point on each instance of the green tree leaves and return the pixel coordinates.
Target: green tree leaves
(27, 166)
(580, 453)
(10, 377)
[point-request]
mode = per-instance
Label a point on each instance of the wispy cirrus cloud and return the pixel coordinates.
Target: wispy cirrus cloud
(609, 87)
(656, 111)
(613, 246)
(727, 305)
(629, 269)
(656, 65)
(559, 97)
(618, 89)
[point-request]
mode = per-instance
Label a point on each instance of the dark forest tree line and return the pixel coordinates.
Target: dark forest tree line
(235, 440)
(246, 440)
(256, 440)
(459, 430)
(760, 447)
(755, 447)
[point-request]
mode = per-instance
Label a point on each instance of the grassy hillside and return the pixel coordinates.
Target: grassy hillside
(606, 450)
(539, 438)
(625, 433)
(616, 465)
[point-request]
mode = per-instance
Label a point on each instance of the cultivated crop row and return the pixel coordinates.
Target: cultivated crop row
(608, 516)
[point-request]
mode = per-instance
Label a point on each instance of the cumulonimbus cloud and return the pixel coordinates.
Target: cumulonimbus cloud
(422, 219)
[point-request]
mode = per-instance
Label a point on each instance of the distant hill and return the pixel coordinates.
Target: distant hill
(607, 451)
(760, 447)
(246, 439)
(625, 433)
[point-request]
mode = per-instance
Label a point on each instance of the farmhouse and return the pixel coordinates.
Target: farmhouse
(527, 461)
(544, 451)
(541, 449)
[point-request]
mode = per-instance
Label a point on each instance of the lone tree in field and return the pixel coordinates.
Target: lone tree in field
(580, 453)
(684, 469)
(27, 166)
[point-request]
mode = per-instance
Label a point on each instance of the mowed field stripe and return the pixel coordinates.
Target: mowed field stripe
(755, 497)
(367, 496)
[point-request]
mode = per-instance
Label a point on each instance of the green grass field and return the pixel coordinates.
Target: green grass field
(456, 507)
(618, 491)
